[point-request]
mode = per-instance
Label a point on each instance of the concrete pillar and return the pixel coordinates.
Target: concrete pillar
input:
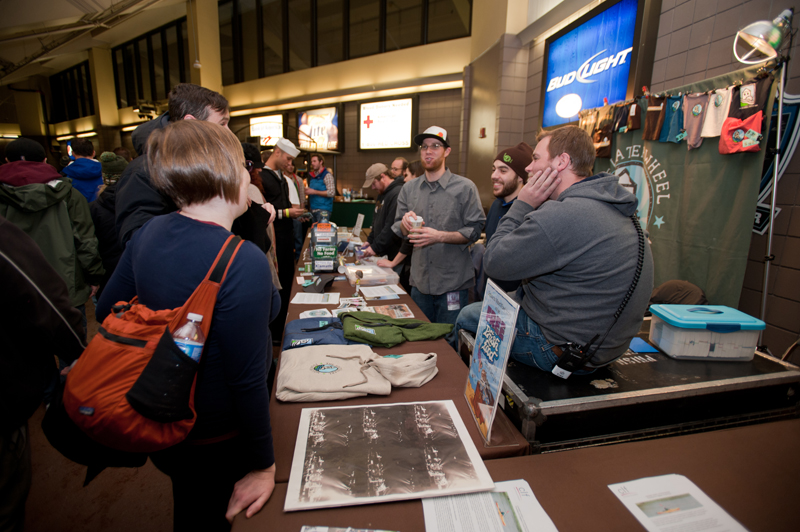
(202, 18)
(104, 92)
(30, 113)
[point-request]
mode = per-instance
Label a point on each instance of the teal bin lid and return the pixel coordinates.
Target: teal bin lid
(717, 318)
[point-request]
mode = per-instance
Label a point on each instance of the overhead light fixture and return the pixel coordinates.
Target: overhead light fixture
(130, 128)
(85, 135)
(9, 136)
(65, 137)
(759, 42)
(762, 40)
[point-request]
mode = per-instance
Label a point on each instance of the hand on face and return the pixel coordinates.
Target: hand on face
(540, 187)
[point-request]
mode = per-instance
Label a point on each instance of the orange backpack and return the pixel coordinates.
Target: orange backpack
(132, 389)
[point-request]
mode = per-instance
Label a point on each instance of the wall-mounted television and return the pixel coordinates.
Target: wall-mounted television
(387, 124)
(268, 128)
(319, 129)
(596, 57)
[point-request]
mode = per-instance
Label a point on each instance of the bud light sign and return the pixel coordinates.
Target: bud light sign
(590, 63)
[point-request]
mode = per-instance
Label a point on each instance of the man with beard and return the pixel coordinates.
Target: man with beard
(508, 176)
(441, 214)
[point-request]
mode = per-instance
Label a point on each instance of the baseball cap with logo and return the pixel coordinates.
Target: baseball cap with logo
(287, 146)
(433, 132)
(518, 158)
(374, 172)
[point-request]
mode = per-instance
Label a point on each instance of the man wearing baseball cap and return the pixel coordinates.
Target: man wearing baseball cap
(441, 214)
(382, 240)
(276, 192)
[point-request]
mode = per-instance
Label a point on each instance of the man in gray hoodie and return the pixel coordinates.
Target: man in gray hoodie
(576, 254)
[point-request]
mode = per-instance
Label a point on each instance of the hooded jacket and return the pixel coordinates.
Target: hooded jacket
(38, 200)
(137, 200)
(577, 257)
(86, 175)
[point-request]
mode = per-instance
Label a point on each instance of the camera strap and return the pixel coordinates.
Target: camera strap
(575, 356)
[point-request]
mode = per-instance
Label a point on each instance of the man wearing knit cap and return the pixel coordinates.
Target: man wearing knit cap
(382, 240)
(113, 165)
(441, 214)
(508, 176)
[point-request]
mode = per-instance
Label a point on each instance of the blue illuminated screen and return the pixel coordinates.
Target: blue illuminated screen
(590, 63)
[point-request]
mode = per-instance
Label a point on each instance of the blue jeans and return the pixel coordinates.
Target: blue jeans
(435, 307)
(298, 237)
(316, 214)
(530, 346)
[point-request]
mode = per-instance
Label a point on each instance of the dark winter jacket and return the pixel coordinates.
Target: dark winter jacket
(102, 210)
(137, 199)
(86, 175)
(382, 239)
(38, 200)
(37, 321)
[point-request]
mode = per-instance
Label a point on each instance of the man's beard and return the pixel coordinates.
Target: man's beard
(508, 189)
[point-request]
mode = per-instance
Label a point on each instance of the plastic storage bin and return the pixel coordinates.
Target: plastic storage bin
(704, 332)
(372, 275)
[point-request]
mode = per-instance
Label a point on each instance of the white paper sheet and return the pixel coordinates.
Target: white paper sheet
(378, 453)
(312, 298)
(673, 503)
(510, 507)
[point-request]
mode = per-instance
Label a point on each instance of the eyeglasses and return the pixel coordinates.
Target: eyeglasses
(431, 147)
(248, 166)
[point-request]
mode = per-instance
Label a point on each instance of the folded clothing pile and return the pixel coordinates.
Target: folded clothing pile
(332, 372)
(314, 331)
(382, 331)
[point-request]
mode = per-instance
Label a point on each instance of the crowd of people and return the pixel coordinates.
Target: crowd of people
(560, 239)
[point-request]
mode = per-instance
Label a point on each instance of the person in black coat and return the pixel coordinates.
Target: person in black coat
(382, 240)
(37, 321)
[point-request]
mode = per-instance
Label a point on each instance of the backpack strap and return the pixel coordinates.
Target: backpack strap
(204, 298)
(225, 256)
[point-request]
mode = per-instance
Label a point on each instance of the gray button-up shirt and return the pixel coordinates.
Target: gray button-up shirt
(451, 203)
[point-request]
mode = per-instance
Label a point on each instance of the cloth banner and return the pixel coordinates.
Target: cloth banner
(697, 205)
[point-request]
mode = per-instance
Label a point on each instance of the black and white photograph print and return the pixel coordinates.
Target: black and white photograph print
(375, 453)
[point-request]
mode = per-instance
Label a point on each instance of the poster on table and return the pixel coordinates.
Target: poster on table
(354, 455)
(493, 341)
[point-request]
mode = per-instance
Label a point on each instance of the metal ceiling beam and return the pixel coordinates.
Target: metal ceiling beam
(106, 19)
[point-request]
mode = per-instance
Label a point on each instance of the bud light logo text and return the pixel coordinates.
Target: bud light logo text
(590, 63)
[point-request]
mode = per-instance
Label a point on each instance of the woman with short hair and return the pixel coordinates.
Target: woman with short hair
(226, 464)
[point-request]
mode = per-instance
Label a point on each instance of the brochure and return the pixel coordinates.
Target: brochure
(395, 311)
(673, 503)
(510, 507)
(316, 313)
(312, 298)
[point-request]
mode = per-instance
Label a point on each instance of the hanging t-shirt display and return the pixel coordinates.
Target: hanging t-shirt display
(694, 111)
(719, 102)
(741, 135)
(635, 114)
(602, 134)
(675, 114)
(654, 119)
(621, 117)
(588, 120)
(750, 98)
